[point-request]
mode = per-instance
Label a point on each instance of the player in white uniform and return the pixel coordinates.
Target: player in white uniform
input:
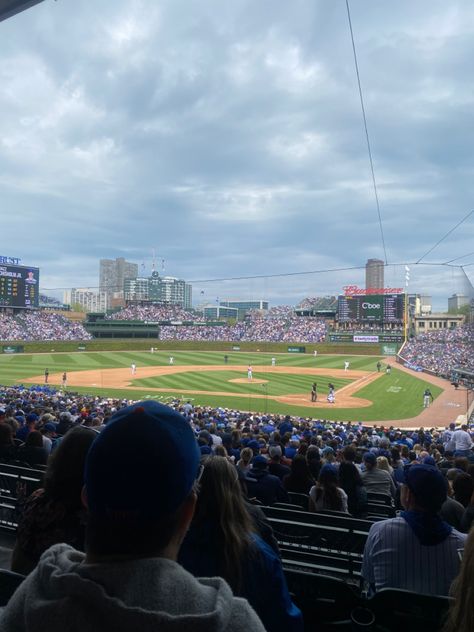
(273, 361)
(346, 365)
(171, 360)
(133, 368)
(249, 374)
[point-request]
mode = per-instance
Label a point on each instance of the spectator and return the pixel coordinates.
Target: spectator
(245, 462)
(461, 613)
(462, 442)
(33, 452)
(350, 481)
(138, 517)
(275, 466)
(263, 486)
(299, 480)
(326, 495)
(314, 461)
(416, 551)
(463, 487)
(8, 449)
(54, 513)
(375, 479)
(221, 541)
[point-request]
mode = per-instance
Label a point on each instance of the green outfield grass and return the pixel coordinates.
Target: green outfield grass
(395, 396)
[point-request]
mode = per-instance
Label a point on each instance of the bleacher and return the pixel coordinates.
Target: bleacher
(322, 559)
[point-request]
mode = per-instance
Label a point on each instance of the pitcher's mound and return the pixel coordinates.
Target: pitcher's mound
(244, 380)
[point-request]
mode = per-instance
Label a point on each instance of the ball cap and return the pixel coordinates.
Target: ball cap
(143, 464)
(427, 485)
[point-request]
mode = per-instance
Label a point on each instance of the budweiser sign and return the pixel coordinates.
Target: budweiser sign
(355, 290)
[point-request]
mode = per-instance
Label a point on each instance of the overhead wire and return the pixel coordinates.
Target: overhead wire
(446, 235)
(364, 117)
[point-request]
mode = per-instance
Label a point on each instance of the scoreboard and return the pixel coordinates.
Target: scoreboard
(19, 286)
(380, 308)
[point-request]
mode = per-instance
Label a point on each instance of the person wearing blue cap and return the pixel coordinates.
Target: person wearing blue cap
(416, 551)
(140, 491)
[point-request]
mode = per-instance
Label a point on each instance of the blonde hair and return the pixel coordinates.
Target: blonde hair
(246, 456)
(383, 464)
(461, 614)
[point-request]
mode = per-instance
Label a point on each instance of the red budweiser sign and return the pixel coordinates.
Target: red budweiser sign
(355, 290)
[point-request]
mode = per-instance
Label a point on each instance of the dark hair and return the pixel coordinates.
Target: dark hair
(349, 453)
(6, 434)
(64, 476)
(299, 479)
(327, 488)
(221, 504)
(463, 487)
(34, 439)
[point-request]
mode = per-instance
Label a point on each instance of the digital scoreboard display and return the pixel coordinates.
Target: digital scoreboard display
(19, 286)
(380, 308)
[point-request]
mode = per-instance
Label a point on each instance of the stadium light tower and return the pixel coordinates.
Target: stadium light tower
(9, 8)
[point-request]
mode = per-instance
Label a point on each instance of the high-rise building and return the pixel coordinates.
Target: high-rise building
(136, 289)
(374, 274)
(166, 289)
(85, 299)
(112, 275)
(456, 301)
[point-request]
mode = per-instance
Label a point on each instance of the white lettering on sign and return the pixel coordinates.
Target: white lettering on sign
(370, 306)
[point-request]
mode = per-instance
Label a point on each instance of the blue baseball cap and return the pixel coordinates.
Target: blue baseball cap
(143, 465)
(427, 484)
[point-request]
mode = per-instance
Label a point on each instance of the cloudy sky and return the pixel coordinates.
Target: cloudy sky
(227, 137)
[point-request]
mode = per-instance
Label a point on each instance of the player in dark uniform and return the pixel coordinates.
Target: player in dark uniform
(46, 376)
(314, 392)
(379, 366)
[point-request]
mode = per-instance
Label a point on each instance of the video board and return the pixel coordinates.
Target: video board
(19, 286)
(388, 308)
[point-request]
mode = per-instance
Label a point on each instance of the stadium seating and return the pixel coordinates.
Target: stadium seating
(330, 603)
(319, 542)
(379, 510)
(15, 481)
(301, 500)
(380, 499)
(326, 602)
(396, 609)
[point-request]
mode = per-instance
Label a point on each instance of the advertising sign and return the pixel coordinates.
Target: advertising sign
(389, 349)
(363, 338)
(296, 349)
(12, 349)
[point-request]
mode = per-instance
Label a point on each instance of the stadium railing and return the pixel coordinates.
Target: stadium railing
(16, 482)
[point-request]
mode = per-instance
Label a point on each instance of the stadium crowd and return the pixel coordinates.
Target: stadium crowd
(40, 325)
(429, 474)
(443, 350)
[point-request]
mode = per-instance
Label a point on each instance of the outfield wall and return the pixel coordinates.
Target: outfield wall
(133, 344)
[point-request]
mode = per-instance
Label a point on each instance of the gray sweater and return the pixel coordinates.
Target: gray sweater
(64, 593)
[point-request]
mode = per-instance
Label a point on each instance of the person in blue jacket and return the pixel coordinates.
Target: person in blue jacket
(222, 541)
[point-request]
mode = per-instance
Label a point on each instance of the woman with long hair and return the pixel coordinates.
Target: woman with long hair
(351, 482)
(326, 495)
(54, 513)
(299, 480)
(461, 614)
(222, 541)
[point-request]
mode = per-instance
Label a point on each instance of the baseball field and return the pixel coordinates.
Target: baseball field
(362, 393)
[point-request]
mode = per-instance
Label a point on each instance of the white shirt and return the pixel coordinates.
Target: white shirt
(462, 440)
(395, 558)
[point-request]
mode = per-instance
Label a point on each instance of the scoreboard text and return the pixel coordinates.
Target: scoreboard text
(388, 308)
(19, 286)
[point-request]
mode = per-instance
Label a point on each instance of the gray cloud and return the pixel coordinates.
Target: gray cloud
(229, 139)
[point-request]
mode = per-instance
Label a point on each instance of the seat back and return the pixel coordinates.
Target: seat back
(380, 499)
(321, 599)
(300, 500)
(396, 609)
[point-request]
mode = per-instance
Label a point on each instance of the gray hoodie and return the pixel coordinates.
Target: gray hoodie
(144, 595)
